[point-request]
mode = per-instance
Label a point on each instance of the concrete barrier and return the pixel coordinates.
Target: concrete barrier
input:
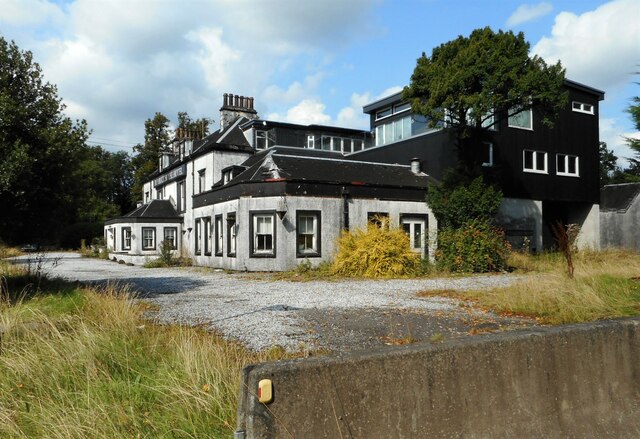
(575, 381)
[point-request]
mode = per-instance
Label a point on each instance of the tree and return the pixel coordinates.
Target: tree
(472, 83)
(145, 161)
(39, 148)
(198, 127)
(608, 164)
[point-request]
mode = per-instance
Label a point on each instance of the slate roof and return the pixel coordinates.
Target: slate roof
(153, 210)
(281, 165)
(618, 196)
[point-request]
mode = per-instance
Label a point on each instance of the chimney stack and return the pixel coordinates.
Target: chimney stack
(234, 106)
(415, 165)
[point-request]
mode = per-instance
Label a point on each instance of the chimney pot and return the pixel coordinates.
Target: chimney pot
(415, 165)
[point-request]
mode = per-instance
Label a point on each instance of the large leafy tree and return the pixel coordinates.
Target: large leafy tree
(608, 164)
(145, 160)
(470, 83)
(39, 148)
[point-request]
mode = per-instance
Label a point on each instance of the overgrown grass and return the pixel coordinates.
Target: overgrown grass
(82, 363)
(606, 285)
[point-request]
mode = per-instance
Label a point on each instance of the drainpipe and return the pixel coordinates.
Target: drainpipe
(345, 207)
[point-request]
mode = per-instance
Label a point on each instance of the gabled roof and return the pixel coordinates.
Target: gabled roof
(618, 197)
(155, 210)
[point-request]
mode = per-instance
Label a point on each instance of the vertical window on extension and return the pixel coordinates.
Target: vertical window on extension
(232, 229)
(196, 237)
(126, 238)
(534, 161)
(148, 238)
(567, 165)
(307, 233)
(171, 236)
(206, 226)
(218, 232)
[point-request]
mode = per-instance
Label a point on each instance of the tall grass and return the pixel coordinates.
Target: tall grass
(605, 285)
(84, 364)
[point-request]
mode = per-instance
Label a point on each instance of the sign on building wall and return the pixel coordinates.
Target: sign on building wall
(174, 174)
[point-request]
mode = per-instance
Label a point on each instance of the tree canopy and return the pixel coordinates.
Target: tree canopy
(470, 83)
(54, 189)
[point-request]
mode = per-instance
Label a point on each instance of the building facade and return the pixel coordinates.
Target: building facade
(261, 195)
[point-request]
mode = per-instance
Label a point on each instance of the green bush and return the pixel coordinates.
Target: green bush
(455, 206)
(476, 247)
(375, 252)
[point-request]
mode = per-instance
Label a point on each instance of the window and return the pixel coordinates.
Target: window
(523, 119)
(415, 226)
(126, 238)
(171, 236)
(159, 195)
(488, 154)
(567, 165)
(263, 139)
(232, 230)
(218, 232)
(311, 141)
(401, 107)
(307, 233)
(581, 107)
(384, 113)
(201, 180)
(393, 131)
(196, 237)
(534, 161)
(263, 234)
(148, 238)
(182, 196)
(206, 226)
(378, 219)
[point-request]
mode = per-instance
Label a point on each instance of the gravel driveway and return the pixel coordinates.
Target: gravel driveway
(261, 312)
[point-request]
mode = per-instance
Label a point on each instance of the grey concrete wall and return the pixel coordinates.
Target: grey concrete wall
(621, 228)
(578, 381)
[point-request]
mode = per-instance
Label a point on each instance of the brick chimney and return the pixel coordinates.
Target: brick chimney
(234, 106)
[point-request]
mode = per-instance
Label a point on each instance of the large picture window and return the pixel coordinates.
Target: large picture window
(523, 120)
(307, 233)
(567, 165)
(218, 234)
(126, 238)
(534, 161)
(148, 238)
(171, 236)
(232, 230)
(263, 234)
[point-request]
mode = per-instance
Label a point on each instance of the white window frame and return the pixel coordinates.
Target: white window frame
(255, 237)
(219, 244)
(529, 128)
(202, 180)
(197, 237)
(534, 161)
(171, 234)
(126, 238)
(181, 189)
(581, 107)
(151, 239)
(408, 223)
(565, 158)
(206, 229)
(232, 234)
(311, 141)
(314, 235)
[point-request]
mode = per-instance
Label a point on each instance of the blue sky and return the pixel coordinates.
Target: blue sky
(117, 62)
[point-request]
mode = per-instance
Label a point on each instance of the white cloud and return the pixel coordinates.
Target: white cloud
(296, 90)
(215, 57)
(614, 136)
(28, 12)
(600, 47)
(527, 12)
(307, 112)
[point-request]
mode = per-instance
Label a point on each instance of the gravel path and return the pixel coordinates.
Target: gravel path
(260, 312)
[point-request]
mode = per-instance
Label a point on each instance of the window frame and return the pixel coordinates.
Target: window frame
(218, 236)
(181, 195)
(124, 238)
(153, 238)
(253, 252)
(413, 218)
(317, 229)
(566, 158)
(202, 180)
(232, 235)
(197, 234)
(529, 128)
(534, 161)
(206, 234)
(581, 108)
(174, 241)
(491, 162)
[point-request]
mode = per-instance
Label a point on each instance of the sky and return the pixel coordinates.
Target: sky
(118, 62)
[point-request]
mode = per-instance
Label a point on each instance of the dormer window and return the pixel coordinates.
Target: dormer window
(227, 176)
(263, 140)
